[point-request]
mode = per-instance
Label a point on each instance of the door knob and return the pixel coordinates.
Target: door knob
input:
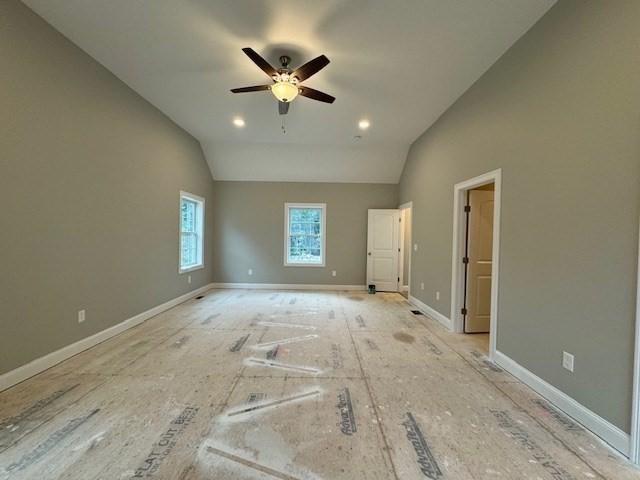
(369, 253)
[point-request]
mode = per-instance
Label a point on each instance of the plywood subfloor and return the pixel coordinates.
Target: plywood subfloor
(290, 385)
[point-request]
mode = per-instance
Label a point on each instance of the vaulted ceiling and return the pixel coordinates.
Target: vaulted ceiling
(399, 64)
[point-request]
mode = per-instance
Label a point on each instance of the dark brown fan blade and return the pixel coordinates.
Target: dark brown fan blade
(283, 108)
(259, 61)
(257, 88)
(311, 68)
(316, 95)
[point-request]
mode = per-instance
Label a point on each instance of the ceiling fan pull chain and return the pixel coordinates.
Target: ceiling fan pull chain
(284, 128)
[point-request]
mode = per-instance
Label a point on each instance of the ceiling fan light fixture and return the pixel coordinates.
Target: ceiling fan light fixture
(284, 91)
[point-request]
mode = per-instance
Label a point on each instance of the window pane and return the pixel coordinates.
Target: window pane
(297, 228)
(305, 215)
(304, 228)
(305, 249)
(295, 215)
(189, 250)
(188, 223)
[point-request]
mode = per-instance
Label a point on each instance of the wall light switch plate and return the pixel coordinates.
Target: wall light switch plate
(333, 273)
(415, 247)
(437, 295)
(567, 361)
(250, 272)
(422, 286)
(81, 316)
(188, 278)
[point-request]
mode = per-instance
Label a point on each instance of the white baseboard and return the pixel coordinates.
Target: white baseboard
(288, 286)
(43, 363)
(404, 288)
(430, 312)
(591, 421)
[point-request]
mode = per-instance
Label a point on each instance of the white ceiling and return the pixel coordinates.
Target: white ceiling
(400, 64)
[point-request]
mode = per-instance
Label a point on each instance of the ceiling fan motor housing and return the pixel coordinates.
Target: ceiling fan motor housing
(285, 60)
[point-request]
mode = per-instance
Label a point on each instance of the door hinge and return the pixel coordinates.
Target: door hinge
(467, 208)
(463, 311)
(465, 260)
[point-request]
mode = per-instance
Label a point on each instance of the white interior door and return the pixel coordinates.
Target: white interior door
(480, 251)
(382, 249)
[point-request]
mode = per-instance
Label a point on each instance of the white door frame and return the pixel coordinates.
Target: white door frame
(401, 250)
(406, 206)
(634, 446)
(457, 268)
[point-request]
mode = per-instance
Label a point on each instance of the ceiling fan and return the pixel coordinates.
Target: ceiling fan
(286, 82)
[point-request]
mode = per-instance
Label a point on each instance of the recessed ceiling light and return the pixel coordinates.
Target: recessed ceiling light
(238, 122)
(363, 124)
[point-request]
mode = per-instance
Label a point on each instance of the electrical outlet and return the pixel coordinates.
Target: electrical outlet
(415, 247)
(81, 316)
(188, 278)
(422, 286)
(333, 273)
(250, 271)
(567, 361)
(437, 295)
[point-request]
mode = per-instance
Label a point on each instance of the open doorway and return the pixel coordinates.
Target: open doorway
(404, 264)
(477, 264)
(476, 243)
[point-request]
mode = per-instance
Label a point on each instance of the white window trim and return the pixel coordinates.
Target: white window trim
(201, 201)
(323, 232)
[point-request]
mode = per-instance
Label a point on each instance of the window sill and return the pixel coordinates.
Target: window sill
(190, 269)
(321, 265)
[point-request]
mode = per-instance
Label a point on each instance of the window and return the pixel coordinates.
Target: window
(304, 236)
(191, 232)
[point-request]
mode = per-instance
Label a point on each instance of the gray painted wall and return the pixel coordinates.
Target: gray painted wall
(90, 175)
(560, 114)
(249, 230)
